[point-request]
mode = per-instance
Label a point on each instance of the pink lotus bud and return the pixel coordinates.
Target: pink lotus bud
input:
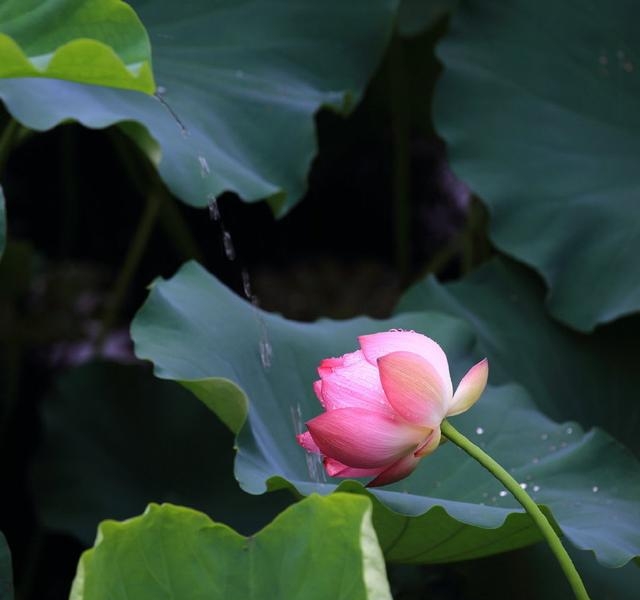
(384, 405)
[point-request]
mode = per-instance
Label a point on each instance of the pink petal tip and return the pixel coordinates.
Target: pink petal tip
(470, 388)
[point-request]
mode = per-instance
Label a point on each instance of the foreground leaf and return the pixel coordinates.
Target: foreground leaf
(115, 438)
(450, 508)
(319, 548)
(245, 80)
(590, 378)
(96, 41)
(539, 108)
(6, 570)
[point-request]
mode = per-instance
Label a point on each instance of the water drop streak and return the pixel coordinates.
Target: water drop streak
(183, 129)
(264, 345)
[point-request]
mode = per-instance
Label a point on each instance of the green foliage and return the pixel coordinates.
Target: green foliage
(168, 448)
(6, 572)
(192, 327)
(590, 378)
(90, 41)
(538, 103)
(242, 78)
(319, 548)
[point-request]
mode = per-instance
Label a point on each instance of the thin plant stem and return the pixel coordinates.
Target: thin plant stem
(141, 172)
(539, 518)
(131, 262)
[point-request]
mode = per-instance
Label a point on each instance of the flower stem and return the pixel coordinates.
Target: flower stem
(503, 476)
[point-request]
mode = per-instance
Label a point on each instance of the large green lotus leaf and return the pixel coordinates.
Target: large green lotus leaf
(591, 378)
(6, 571)
(91, 41)
(318, 548)
(243, 78)
(116, 438)
(538, 104)
(194, 329)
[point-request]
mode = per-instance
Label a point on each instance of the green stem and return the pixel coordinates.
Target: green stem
(141, 172)
(131, 262)
(503, 476)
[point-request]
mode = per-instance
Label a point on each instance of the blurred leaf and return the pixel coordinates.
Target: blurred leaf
(318, 548)
(244, 79)
(95, 41)
(6, 570)
(591, 378)
(415, 16)
(116, 438)
(192, 328)
(538, 104)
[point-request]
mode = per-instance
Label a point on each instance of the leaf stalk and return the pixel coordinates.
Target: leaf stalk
(538, 517)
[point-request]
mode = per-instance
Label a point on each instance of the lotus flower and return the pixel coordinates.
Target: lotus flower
(384, 405)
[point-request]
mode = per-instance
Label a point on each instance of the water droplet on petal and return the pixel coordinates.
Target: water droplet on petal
(595, 488)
